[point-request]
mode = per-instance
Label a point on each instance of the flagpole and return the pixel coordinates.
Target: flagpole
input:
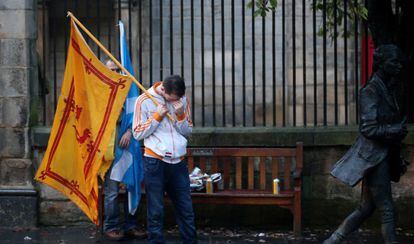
(115, 60)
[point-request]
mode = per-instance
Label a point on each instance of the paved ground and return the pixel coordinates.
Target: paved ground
(88, 234)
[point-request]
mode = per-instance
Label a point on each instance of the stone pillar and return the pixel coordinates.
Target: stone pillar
(18, 62)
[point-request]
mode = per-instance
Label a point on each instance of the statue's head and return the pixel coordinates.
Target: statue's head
(388, 58)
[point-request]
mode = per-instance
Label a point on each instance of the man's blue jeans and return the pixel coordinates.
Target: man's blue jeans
(111, 212)
(160, 177)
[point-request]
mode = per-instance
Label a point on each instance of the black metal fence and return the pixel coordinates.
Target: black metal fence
(241, 71)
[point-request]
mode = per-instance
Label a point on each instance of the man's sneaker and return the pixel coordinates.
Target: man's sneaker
(114, 235)
(136, 234)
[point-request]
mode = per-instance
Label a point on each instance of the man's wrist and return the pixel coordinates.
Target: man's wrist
(158, 117)
(180, 117)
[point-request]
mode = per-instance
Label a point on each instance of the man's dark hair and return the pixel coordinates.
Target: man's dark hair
(174, 84)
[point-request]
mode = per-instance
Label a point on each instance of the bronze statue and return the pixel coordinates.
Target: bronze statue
(375, 157)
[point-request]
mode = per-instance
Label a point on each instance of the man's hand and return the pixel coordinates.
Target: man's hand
(125, 139)
(162, 109)
(179, 107)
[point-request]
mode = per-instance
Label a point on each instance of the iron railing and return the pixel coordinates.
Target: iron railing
(240, 71)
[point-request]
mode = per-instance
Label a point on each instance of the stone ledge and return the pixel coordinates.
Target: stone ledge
(18, 192)
(257, 136)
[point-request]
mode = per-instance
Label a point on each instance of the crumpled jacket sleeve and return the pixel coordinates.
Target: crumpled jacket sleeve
(144, 125)
(370, 126)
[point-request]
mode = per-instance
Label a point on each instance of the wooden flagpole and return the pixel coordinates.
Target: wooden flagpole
(115, 60)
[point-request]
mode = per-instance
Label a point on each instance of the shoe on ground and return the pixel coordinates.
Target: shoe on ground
(135, 233)
(114, 235)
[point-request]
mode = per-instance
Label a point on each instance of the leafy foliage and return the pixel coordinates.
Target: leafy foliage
(335, 12)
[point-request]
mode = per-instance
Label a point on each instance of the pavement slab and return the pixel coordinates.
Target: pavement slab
(89, 234)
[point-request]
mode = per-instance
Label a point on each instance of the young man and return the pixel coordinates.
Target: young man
(165, 167)
(112, 228)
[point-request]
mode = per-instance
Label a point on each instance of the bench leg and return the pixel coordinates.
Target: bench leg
(297, 214)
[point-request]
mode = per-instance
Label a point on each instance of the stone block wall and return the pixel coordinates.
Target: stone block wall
(18, 71)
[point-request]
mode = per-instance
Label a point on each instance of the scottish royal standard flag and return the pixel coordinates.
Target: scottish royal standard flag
(127, 166)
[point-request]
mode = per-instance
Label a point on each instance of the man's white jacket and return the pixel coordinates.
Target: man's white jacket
(163, 139)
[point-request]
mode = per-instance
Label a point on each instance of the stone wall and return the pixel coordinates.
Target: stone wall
(18, 71)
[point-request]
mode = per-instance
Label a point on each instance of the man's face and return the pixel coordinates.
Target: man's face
(392, 65)
(112, 66)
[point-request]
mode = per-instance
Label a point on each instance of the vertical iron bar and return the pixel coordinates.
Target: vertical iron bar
(304, 60)
(253, 70)
(223, 67)
(264, 70)
(119, 10)
(274, 67)
(75, 6)
(171, 39)
(130, 30)
(182, 36)
(54, 67)
(44, 60)
(65, 30)
(244, 61)
(324, 65)
(192, 60)
(117, 47)
(140, 44)
(87, 16)
(202, 65)
(109, 11)
(315, 77)
(346, 60)
(335, 9)
(150, 42)
(98, 13)
(213, 62)
(161, 43)
(283, 65)
(233, 89)
(294, 59)
(366, 43)
(356, 33)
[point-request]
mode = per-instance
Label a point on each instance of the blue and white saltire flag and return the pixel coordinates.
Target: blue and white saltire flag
(127, 165)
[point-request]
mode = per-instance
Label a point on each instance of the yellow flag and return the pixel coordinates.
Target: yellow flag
(89, 105)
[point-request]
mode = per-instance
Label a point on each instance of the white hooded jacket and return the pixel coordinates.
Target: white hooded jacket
(163, 139)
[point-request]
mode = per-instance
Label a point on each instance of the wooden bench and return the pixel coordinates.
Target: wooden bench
(248, 174)
(247, 177)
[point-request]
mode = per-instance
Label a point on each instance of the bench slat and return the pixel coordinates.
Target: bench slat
(190, 164)
(250, 171)
(262, 172)
(239, 173)
(287, 173)
(214, 165)
(202, 164)
(275, 168)
(226, 172)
